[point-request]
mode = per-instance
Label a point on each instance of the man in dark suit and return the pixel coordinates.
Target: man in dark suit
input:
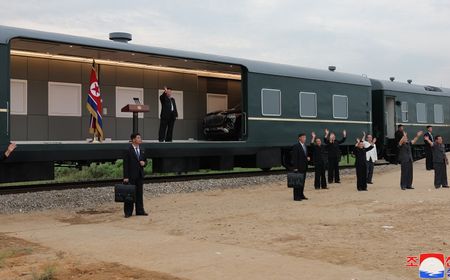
(9, 150)
(318, 158)
(397, 137)
(168, 115)
(440, 161)
(428, 148)
(406, 160)
(334, 154)
(300, 161)
(134, 161)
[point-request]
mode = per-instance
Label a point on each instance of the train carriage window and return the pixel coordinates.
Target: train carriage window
(124, 96)
(308, 104)
(404, 111)
(18, 97)
(64, 99)
(271, 102)
(340, 107)
(216, 102)
(421, 109)
(438, 113)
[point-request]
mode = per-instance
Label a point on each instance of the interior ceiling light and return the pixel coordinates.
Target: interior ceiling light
(201, 73)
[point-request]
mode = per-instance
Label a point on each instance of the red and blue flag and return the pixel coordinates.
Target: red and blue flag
(94, 106)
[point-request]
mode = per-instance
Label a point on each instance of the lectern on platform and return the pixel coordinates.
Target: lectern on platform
(135, 109)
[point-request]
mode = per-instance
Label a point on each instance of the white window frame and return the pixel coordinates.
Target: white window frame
(179, 102)
(405, 111)
(25, 97)
(139, 94)
(346, 97)
(300, 104)
(217, 95)
(51, 100)
(262, 102)
(417, 113)
(443, 116)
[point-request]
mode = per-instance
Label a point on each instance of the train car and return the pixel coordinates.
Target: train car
(414, 106)
(44, 80)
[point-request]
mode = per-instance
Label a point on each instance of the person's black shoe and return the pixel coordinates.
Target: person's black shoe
(317, 188)
(370, 183)
(338, 182)
(403, 188)
(364, 190)
(324, 188)
(298, 199)
(437, 187)
(446, 187)
(410, 188)
(304, 198)
(142, 214)
(127, 215)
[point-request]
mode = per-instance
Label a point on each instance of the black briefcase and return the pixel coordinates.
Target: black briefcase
(296, 180)
(124, 193)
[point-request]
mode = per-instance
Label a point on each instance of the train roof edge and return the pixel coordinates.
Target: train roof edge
(8, 33)
(409, 88)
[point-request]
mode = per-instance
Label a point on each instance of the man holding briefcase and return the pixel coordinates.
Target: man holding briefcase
(300, 161)
(133, 173)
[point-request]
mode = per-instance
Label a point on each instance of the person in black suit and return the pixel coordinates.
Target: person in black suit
(318, 158)
(134, 161)
(168, 115)
(397, 137)
(8, 152)
(428, 148)
(406, 160)
(334, 154)
(440, 161)
(361, 163)
(300, 161)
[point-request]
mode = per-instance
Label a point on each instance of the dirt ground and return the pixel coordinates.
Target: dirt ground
(257, 232)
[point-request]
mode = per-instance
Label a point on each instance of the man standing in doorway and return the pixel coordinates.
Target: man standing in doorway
(168, 115)
(428, 148)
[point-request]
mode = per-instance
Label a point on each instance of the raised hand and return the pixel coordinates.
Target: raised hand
(313, 134)
(344, 132)
(327, 131)
(419, 133)
(358, 140)
(11, 147)
(426, 137)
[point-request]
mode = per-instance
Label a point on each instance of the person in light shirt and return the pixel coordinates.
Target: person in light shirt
(371, 156)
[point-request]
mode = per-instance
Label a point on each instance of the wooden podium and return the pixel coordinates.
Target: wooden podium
(135, 109)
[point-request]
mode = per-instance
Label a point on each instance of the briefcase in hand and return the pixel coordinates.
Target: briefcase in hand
(124, 193)
(296, 180)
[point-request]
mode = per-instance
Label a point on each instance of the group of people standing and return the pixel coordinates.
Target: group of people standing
(435, 157)
(326, 154)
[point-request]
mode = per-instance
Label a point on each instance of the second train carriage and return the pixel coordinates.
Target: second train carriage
(414, 106)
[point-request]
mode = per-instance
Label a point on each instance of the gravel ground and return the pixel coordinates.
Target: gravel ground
(90, 198)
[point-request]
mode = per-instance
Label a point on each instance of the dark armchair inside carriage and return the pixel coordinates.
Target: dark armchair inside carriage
(231, 112)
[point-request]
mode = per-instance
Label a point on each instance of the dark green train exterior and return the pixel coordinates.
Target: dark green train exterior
(397, 103)
(278, 102)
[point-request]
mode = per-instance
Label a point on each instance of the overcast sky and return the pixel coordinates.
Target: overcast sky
(408, 39)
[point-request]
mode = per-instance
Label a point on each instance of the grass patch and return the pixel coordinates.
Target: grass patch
(13, 252)
(47, 274)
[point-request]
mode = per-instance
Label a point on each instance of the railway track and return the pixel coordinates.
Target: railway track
(148, 180)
